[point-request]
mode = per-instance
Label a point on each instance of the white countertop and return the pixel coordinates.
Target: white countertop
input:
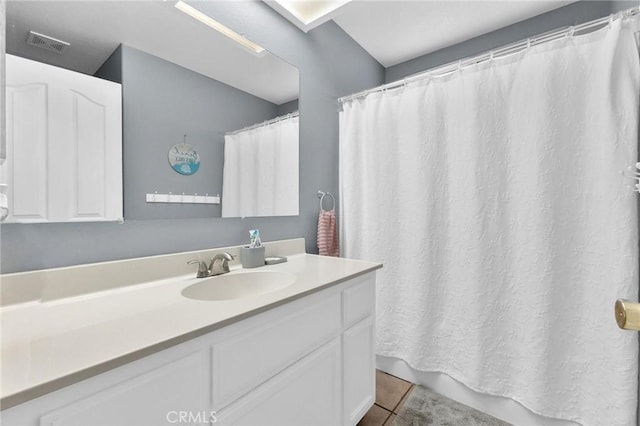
(47, 345)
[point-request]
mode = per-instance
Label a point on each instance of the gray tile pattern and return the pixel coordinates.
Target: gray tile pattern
(401, 403)
(425, 407)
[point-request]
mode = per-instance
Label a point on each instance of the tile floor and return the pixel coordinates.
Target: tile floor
(391, 393)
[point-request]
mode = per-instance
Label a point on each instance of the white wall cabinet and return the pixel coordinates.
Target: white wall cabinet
(308, 362)
(64, 145)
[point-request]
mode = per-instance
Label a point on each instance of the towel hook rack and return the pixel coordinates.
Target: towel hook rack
(322, 194)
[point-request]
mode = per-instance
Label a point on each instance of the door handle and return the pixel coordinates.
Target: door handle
(627, 314)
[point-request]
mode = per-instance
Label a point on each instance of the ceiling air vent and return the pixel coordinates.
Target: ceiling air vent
(45, 42)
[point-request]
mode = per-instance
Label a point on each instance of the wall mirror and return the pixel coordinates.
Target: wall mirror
(182, 81)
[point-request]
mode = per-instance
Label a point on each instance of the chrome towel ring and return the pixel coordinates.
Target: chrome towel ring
(322, 194)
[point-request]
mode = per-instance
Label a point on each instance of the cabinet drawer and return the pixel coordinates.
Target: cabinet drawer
(359, 299)
(260, 350)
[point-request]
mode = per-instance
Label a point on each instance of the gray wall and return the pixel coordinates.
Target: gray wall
(571, 14)
(111, 69)
(330, 65)
(3, 47)
(288, 107)
(162, 102)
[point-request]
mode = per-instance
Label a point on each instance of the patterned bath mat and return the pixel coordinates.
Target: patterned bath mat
(425, 407)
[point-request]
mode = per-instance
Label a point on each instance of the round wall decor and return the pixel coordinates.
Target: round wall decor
(184, 159)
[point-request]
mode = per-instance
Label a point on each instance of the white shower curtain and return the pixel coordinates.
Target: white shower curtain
(260, 176)
(493, 196)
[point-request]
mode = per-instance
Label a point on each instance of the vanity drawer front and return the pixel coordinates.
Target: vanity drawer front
(359, 299)
(263, 347)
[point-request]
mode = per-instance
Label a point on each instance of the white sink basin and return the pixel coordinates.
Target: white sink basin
(238, 285)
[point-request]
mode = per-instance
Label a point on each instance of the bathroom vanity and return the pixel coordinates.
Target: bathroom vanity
(136, 351)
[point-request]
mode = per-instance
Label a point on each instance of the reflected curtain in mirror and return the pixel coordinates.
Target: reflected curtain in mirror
(260, 176)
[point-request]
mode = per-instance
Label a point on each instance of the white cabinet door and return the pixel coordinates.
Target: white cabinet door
(64, 145)
(170, 394)
(307, 393)
(257, 351)
(359, 370)
(25, 169)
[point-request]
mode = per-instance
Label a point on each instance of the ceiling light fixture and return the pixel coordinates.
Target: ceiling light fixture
(209, 21)
(307, 15)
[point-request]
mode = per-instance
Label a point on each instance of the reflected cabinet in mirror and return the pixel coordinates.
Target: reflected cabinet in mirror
(189, 94)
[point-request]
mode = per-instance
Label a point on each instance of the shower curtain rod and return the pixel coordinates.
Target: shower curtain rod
(266, 123)
(453, 66)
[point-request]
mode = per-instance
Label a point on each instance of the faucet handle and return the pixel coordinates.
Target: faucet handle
(203, 270)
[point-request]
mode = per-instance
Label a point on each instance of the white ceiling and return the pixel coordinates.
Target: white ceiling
(96, 28)
(395, 31)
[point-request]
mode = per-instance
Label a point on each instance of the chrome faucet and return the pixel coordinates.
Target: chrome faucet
(219, 265)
